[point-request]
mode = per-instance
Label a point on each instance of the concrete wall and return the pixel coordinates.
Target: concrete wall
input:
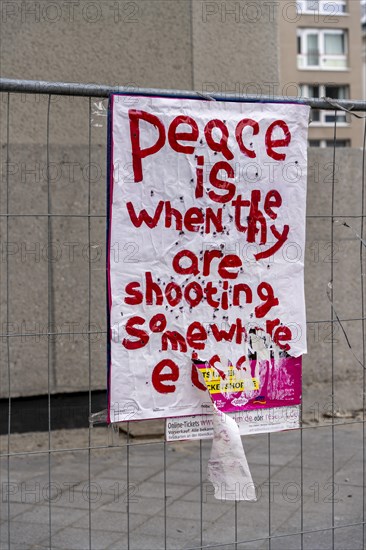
(347, 285)
(185, 44)
(178, 44)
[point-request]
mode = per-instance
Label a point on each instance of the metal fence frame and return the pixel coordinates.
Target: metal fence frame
(11, 86)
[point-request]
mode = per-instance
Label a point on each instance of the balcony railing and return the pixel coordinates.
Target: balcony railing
(318, 61)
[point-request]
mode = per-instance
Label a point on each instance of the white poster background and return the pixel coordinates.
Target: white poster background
(249, 422)
(168, 175)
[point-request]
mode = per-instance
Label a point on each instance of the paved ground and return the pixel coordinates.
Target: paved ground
(128, 508)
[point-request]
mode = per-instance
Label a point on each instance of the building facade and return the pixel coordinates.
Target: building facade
(321, 56)
(363, 26)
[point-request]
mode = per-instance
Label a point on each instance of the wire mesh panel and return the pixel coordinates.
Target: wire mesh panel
(127, 487)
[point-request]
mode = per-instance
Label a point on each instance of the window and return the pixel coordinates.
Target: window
(329, 7)
(322, 49)
(338, 143)
(329, 143)
(363, 12)
(325, 118)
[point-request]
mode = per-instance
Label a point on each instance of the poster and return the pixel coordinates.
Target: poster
(249, 422)
(206, 235)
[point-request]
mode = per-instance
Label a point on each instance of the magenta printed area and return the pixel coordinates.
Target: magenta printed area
(279, 386)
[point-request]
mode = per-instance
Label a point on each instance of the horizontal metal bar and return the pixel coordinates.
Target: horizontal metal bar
(39, 334)
(103, 90)
(159, 441)
(67, 333)
(275, 536)
(343, 216)
(72, 216)
(86, 332)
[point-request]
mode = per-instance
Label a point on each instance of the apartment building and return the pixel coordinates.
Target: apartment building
(321, 56)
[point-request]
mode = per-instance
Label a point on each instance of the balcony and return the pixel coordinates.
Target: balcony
(317, 61)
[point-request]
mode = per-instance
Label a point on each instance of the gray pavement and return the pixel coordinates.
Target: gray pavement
(151, 495)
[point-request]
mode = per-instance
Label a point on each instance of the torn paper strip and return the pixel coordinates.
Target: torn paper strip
(228, 468)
